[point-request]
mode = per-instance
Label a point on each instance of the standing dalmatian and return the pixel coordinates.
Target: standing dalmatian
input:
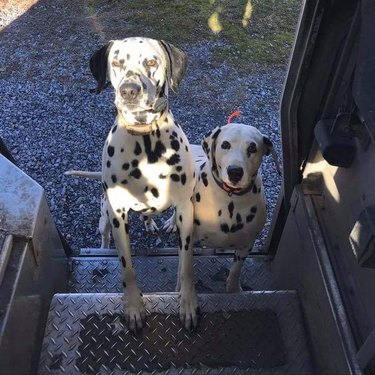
(147, 164)
(229, 202)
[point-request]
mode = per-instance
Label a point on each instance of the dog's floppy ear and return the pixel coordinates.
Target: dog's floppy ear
(98, 67)
(269, 149)
(208, 142)
(176, 64)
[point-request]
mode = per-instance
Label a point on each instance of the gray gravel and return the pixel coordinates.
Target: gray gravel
(51, 123)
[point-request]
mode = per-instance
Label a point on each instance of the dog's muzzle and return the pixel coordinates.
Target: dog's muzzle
(130, 91)
(235, 173)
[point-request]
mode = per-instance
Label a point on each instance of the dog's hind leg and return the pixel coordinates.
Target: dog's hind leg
(234, 277)
(170, 224)
(104, 224)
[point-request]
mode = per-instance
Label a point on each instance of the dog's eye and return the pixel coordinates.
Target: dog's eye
(225, 145)
(252, 149)
(152, 63)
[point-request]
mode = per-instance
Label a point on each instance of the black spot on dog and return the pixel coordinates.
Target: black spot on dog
(136, 173)
(238, 218)
(174, 134)
(253, 209)
(124, 182)
(108, 164)
(116, 223)
(158, 134)
(162, 176)
(197, 222)
(126, 228)
(155, 192)
(202, 166)
(137, 149)
(175, 144)
(114, 129)
(105, 186)
(183, 179)
(186, 149)
(214, 136)
(180, 218)
(224, 228)
(249, 218)
(114, 178)
(153, 155)
(179, 168)
(219, 212)
(198, 197)
(111, 151)
(255, 189)
(174, 159)
(125, 166)
(175, 177)
(230, 209)
(122, 150)
(204, 178)
(188, 240)
(123, 261)
(135, 163)
(236, 227)
(205, 146)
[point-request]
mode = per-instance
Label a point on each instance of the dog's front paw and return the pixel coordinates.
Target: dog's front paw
(170, 225)
(189, 309)
(233, 286)
(134, 309)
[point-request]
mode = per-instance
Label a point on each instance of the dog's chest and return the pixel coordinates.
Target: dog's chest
(227, 221)
(148, 171)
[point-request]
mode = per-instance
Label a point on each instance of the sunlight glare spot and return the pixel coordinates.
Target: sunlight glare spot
(247, 13)
(214, 22)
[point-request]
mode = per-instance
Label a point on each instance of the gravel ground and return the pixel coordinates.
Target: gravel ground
(51, 123)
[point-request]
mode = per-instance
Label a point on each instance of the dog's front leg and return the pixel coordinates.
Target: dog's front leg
(233, 280)
(188, 295)
(133, 303)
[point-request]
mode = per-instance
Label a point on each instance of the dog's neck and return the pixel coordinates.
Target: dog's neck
(142, 129)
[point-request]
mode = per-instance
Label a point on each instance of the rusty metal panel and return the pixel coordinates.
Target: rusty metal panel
(250, 332)
(158, 274)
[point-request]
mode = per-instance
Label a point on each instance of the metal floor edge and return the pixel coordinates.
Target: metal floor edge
(158, 274)
(248, 332)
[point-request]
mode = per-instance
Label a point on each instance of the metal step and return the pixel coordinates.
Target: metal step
(158, 274)
(248, 332)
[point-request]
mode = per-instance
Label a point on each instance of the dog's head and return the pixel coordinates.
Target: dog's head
(140, 70)
(235, 152)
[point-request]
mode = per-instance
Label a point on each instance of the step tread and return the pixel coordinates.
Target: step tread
(248, 332)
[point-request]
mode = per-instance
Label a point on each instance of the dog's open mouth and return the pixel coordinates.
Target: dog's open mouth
(228, 187)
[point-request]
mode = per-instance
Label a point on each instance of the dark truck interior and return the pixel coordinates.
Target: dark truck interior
(312, 304)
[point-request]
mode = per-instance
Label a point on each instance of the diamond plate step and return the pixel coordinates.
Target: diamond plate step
(158, 274)
(249, 332)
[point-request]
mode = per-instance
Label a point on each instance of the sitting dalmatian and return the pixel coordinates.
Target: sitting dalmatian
(147, 164)
(229, 202)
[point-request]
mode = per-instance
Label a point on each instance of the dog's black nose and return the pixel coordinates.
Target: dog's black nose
(234, 173)
(129, 91)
